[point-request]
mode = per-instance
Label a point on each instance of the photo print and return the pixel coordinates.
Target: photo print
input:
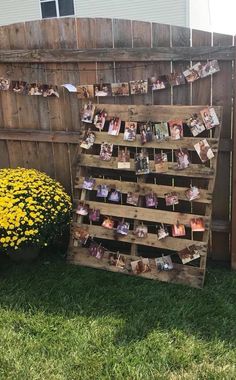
(94, 215)
(4, 84)
(106, 151)
(114, 126)
(85, 91)
(141, 231)
(130, 131)
(161, 163)
(193, 73)
(82, 209)
(138, 87)
(102, 191)
(146, 133)
(159, 83)
(89, 183)
(204, 151)
(88, 139)
(192, 193)
(132, 198)
(140, 266)
(49, 91)
(113, 258)
(171, 198)
(20, 87)
(122, 228)
(141, 163)
(108, 223)
(151, 200)
(103, 89)
(121, 261)
(164, 263)
(96, 250)
(176, 129)
(197, 225)
(81, 234)
(211, 67)
(88, 112)
(176, 79)
(161, 131)
(162, 232)
(120, 89)
(195, 125)
(114, 196)
(123, 159)
(182, 158)
(100, 119)
(178, 230)
(35, 89)
(189, 254)
(209, 117)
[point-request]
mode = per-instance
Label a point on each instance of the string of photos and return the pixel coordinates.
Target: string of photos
(130, 264)
(207, 119)
(136, 87)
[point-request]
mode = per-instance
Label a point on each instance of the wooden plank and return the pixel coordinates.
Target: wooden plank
(151, 240)
(144, 188)
(153, 112)
(122, 30)
(9, 107)
(182, 53)
(201, 92)
(145, 214)
(185, 142)
(222, 95)
(59, 34)
(193, 171)
(233, 235)
(161, 37)
(201, 89)
(185, 275)
(181, 40)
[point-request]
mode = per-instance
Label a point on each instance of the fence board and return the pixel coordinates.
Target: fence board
(222, 95)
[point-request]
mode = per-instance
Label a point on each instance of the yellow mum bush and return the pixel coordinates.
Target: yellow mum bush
(34, 209)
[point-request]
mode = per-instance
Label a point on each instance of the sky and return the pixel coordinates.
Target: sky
(213, 15)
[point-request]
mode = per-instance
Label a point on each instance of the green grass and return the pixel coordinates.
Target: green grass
(62, 322)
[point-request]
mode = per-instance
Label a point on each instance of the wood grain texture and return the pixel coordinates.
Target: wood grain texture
(194, 171)
(144, 188)
(185, 275)
(138, 53)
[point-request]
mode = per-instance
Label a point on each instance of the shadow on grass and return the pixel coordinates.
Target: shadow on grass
(53, 287)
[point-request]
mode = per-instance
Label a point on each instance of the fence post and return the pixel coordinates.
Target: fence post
(233, 219)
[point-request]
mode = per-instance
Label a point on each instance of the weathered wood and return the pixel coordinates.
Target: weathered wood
(194, 170)
(233, 236)
(223, 96)
(185, 275)
(150, 241)
(145, 214)
(181, 53)
(153, 112)
(144, 188)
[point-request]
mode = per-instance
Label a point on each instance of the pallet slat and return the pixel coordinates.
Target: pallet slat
(194, 170)
(145, 214)
(144, 188)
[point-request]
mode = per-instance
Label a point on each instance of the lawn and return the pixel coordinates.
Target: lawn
(62, 322)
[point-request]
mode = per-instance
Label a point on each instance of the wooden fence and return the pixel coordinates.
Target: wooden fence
(43, 133)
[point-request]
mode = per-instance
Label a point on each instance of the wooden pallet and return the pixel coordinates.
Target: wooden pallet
(201, 175)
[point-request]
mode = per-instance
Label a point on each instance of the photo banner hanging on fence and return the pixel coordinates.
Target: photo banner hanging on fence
(118, 89)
